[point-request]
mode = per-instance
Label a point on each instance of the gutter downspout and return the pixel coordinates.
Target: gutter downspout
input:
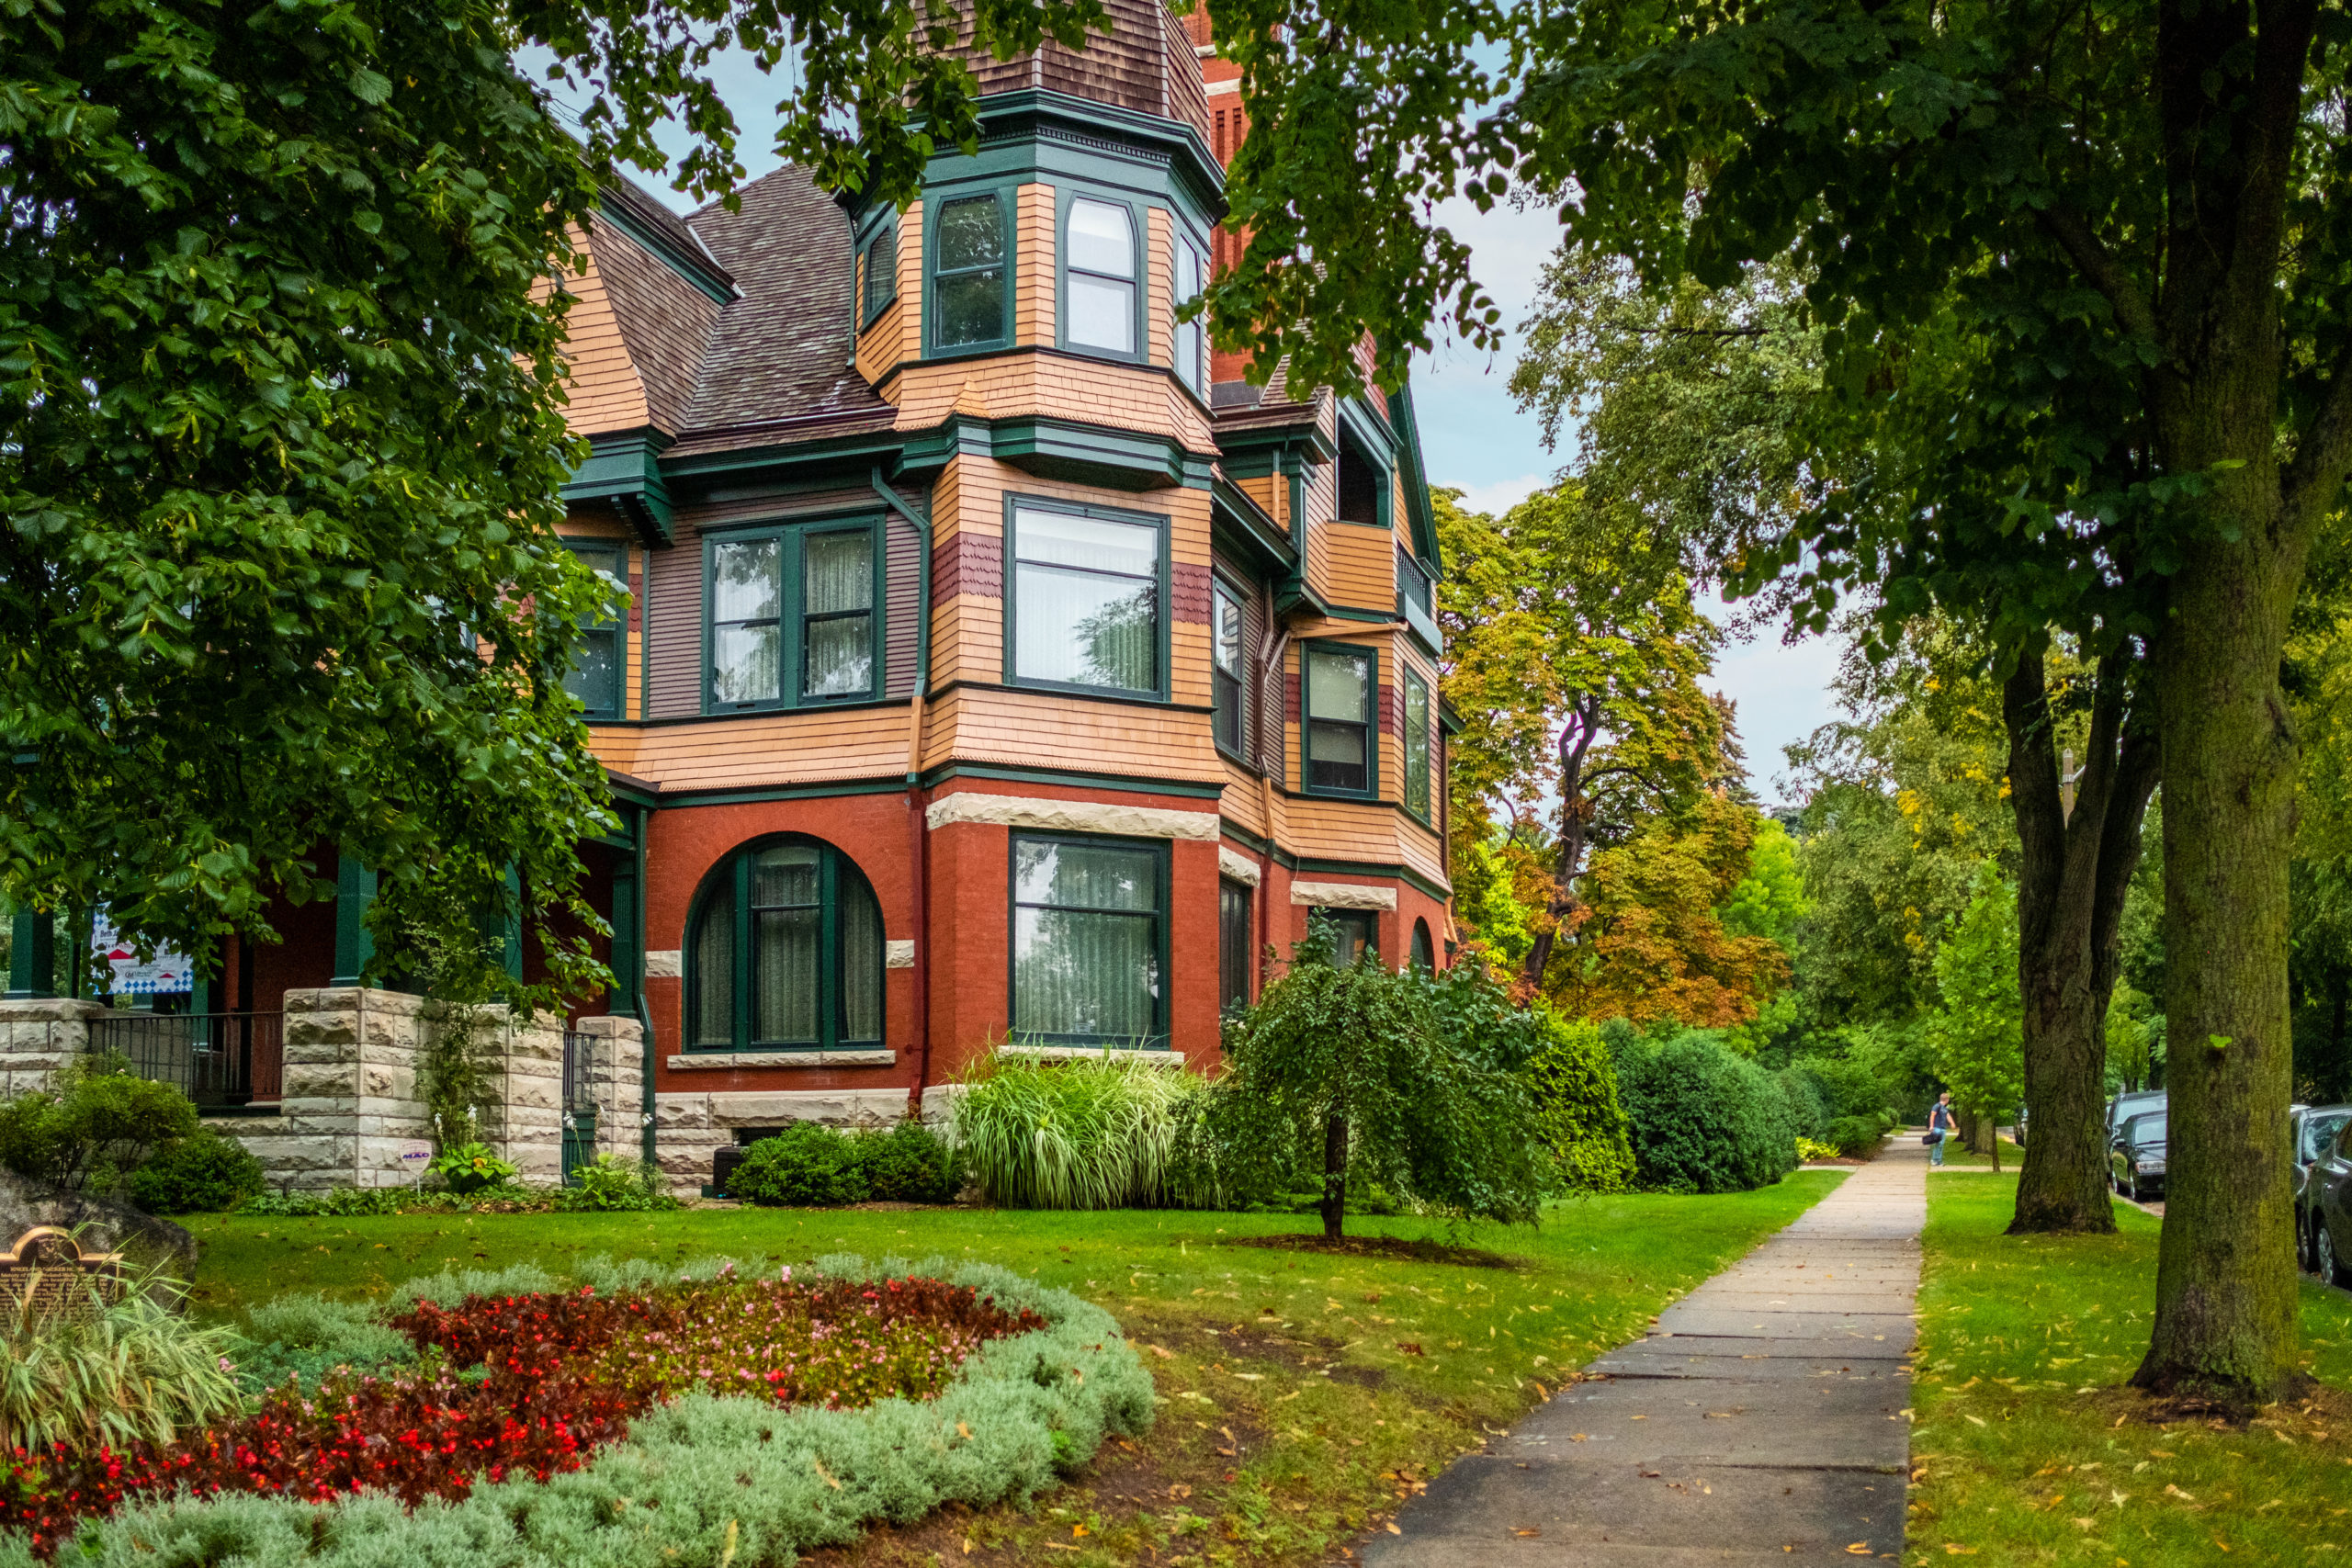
(636, 985)
(919, 841)
(1269, 673)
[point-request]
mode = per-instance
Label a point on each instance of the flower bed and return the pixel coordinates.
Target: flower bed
(519, 1390)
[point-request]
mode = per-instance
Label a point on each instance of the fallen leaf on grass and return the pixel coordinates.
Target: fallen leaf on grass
(1526, 1532)
(1411, 1347)
(1163, 1355)
(1392, 1529)
(1859, 1549)
(2172, 1491)
(1954, 1547)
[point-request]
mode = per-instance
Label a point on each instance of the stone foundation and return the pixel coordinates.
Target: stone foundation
(38, 1036)
(691, 1128)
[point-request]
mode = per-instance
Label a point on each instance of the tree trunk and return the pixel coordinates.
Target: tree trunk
(2225, 1275)
(1576, 736)
(2074, 872)
(1335, 1176)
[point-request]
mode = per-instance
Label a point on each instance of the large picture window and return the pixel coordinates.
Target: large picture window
(792, 616)
(597, 656)
(1086, 599)
(1417, 746)
(1099, 276)
(1341, 687)
(786, 952)
(1088, 940)
(969, 252)
(1228, 690)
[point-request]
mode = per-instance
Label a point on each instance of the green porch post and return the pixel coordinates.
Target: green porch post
(354, 890)
(32, 956)
(512, 922)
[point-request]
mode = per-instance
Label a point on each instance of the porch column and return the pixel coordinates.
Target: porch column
(354, 890)
(32, 958)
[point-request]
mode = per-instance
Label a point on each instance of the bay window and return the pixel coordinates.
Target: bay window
(1100, 277)
(1417, 745)
(969, 251)
(1227, 688)
(1340, 687)
(594, 678)
(1192, 337)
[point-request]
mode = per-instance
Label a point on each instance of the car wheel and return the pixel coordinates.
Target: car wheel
(2330, 1267)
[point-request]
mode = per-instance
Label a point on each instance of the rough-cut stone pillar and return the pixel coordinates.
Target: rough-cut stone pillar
(39, 1036)
(353, 1096)
(525, 1119)
(617, 1081)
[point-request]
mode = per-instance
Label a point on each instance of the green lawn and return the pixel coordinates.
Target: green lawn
(1304, 1393)
(1957, 1156)
(2027, 1449)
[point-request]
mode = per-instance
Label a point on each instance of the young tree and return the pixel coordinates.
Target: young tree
(2111, 244)
(1979, 1032)
(1347, 1075)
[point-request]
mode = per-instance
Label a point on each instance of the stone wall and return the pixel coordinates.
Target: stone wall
(692, 1128)
(38, 1036)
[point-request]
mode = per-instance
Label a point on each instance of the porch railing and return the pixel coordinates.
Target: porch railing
(215, 1058)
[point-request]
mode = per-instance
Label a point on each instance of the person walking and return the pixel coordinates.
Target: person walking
(1941, 1124)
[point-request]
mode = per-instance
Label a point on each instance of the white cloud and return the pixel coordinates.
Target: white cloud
(1498, 496)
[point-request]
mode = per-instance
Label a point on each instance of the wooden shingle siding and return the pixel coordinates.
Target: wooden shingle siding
(675, 600)
(1040, 729)
(1159, 306)
(1322, 500)
(802, 746)
(881, 345)
(1032, 249)
(1055, 386)
(1189, 588)
(967, 563)
(605, 393)
(1187, 97)
(902, 602)
(1359, 566)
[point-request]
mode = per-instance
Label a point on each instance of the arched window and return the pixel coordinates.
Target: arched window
(1424, 951)
(784, 952)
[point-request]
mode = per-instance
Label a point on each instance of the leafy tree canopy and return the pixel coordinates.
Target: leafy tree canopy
(1979, 1030)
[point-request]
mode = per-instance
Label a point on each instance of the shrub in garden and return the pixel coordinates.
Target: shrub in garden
(96, 1123)
(1703, 1119)
(207, 1174)
(1346, 1076)
(470, 1167)
(1857, 1136)
(336, 1203)
(807, 1165)
(1095, 1132)
(908, 1164)
(1807, 1111)
(121, 1369)
(1577, 1112)
(615, 1183)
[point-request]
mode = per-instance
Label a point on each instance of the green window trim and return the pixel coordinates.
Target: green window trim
(1416, 747)
(884, 243)
(1139, 216)
(849, 957)
(1156, 851)
(1007, 262)
(1228, 671)
(1334, 723)
(792, 619)
(1040, 506)
(601, 691)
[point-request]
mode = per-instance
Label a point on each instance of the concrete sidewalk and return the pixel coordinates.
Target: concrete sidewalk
(1760, 1421)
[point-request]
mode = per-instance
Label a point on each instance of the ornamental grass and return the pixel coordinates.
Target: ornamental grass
(119, 1366)
(1094, 1132)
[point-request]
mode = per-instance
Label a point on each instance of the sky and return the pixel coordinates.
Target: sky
(1474, 435)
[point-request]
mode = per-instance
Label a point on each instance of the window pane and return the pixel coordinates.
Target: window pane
(786, 875)
(596, 671)
(882, 270)
(783, 978)
(971, 309)
(1102, 239)
(1084, 974)
(715, 968)
(1086, 629)
(1228, 632)
(839, 658)
(1335, 756)
(1232, 944)
(861, 939)
(744, 583)
(1417, 745)
(969, 234)
(837, 571)
(1226, 694)
(1358, 932)
(1094, 543)
(743, 664)
(1097, 876)
(1339, 686)
(1102, 314)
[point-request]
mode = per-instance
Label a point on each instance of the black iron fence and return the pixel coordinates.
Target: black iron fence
(579, 1102)
(214, 1058)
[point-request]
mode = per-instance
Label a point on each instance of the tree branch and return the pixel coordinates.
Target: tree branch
(2099, 264)
(2310, 485)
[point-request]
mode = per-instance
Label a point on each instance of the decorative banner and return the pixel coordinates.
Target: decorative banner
(168, 973)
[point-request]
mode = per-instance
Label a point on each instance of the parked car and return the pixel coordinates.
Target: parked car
(2329, 1182)
(2312, 1131)
(2125, 1106)
(2137, 1159)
